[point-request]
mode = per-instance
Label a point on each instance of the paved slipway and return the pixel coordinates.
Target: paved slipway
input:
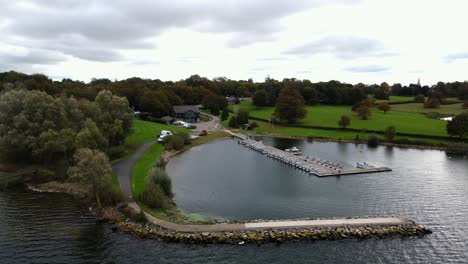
(123, 170)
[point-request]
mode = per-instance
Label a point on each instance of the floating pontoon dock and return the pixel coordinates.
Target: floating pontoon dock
(318, 167)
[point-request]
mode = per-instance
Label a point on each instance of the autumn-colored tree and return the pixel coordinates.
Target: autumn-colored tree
(363, 112)
(384, 106)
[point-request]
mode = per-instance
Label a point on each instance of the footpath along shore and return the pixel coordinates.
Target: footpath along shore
(264, 231)
(252, 231)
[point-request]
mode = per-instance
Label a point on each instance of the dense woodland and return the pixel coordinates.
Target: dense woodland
(157, 97)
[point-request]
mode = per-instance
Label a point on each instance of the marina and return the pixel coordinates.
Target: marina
(314, 166)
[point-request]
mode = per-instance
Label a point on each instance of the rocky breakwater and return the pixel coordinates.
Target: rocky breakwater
(269, 235)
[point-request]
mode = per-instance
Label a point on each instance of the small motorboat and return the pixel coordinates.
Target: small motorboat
(294, 150)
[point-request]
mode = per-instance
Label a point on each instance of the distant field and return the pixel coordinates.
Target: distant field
(328, 116)
(452, 109)
(395, 98)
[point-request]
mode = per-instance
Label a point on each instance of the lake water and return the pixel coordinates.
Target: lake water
(228, 180)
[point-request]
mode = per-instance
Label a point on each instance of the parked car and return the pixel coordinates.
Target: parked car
(164, 133)
(189, 126)
(178, 123)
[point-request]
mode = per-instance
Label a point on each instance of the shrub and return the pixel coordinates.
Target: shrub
(159, 177)
(390, 132)
(233, 122)
(357, 137)
(419, 98)
(224, 114)
(242, 117)
(372, 140)
(177, 141)
(458, 149)
(161, 163)
(154, 197)
(432, 103)
(112, 196)
(254, 125)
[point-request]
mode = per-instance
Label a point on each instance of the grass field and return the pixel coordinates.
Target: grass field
(395, 98)
(142, 167)
(328, 116)
(144, 131)
(452, 109)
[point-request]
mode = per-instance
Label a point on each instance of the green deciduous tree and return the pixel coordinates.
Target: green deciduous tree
(458, 126)
(224, 114)
(242, 117)
(233, 122)
(260, 98)
(93, 167)
(344, 121)
(390, 133)
(290, 105)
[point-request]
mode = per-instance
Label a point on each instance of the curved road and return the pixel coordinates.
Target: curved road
(123, 170)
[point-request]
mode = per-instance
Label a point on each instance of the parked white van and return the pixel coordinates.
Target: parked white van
(164, 134)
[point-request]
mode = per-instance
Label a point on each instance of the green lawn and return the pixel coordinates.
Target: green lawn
(142, 167)
(144, 131)
(328, 116)
(452, 109)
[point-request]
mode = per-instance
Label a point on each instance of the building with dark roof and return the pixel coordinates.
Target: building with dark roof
(189, 113)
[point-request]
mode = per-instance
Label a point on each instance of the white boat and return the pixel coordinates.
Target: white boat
(294, 150)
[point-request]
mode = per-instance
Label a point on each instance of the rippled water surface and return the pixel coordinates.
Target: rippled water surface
(228, 180)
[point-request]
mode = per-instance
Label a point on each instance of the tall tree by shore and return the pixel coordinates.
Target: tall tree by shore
(290, 106)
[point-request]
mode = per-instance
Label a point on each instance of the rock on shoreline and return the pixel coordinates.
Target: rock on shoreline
(150, 231)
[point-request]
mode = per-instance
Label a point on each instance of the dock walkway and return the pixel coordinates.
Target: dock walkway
(317, 167)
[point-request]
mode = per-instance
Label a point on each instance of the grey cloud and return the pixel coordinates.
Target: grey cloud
(343, 47)
(98, 30)
(367, 68)
(35, 57)
(457, 56)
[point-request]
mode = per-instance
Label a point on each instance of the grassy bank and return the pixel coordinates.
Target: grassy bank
(145, 132)
(265, 128)
(408, 121)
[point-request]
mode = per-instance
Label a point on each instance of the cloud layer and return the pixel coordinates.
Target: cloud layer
(97, 30)
(343, 47)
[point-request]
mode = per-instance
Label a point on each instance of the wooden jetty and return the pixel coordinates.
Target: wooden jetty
(317, 167)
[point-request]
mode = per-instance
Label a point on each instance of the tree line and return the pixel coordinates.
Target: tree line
(157, 97)
(71, 138)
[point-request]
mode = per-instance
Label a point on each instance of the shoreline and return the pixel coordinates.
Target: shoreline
(322, 139)
(233, 232)
(269, 232)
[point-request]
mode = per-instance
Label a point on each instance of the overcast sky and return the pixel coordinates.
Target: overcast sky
(348, 40)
